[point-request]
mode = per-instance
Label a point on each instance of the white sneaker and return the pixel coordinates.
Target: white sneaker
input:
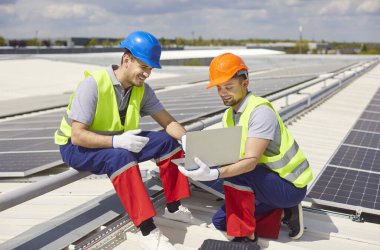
(155, 241)
(182, 214)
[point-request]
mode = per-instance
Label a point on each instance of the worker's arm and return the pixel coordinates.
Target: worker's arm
(171, 126)
(129, 140)
(81, 136)
(254, 148)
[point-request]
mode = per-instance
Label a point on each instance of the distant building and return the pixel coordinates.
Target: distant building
(325, 48)
(280, 46)
(84, 41)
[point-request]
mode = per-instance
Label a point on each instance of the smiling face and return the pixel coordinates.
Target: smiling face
(136, 72)
(233, 92)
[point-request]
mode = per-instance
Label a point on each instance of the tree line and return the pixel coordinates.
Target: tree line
(300, 46)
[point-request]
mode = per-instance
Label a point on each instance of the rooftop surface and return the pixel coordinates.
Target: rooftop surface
(318, 130)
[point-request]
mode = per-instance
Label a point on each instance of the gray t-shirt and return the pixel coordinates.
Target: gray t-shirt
(263, 124)
(86, 97)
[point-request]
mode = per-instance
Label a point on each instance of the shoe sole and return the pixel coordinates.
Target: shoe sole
(300, 217)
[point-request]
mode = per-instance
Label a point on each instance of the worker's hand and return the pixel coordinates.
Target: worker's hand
(203, 173)
(183, 142)
(130, 141)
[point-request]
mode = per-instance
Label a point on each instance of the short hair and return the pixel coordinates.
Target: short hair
(126, 52)
(241, 75)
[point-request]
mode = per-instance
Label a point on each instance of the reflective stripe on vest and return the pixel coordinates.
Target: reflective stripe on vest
(106, 118)
(291, 164)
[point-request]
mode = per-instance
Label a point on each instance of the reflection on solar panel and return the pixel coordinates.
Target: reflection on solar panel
(351, 179)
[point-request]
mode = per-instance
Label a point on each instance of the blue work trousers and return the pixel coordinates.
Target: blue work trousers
(270, 192)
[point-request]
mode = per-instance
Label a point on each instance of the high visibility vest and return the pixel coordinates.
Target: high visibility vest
(290, 164)
(106, 119)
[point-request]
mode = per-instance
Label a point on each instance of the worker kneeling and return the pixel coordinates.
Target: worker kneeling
(273, 172)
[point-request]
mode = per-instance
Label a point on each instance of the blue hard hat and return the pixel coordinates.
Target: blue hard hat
(144, 46)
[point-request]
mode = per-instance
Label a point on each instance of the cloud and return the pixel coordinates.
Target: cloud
(7, 9)
(336, 20)
(77, 11)
(369, 6)
(336, 7)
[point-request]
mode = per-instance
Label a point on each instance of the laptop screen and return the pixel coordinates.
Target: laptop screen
(214, 147)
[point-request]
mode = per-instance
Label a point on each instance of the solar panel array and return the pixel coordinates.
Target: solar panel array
(27, 144)
(351, 178)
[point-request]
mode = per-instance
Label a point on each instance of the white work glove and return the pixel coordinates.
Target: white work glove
(203, 173)
(183, 142)
(130, 141)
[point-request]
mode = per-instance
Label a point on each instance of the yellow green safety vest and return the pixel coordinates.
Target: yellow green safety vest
(106, 119)
(290, 164)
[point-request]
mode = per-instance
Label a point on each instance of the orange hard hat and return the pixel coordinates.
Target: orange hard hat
(224, 67)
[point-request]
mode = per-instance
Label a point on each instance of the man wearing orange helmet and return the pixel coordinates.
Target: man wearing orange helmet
(272, 173)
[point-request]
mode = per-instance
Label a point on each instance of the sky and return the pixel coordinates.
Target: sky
(329, 20)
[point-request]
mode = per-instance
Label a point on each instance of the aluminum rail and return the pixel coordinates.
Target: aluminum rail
(18, 196)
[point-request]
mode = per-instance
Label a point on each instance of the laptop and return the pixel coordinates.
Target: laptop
(214, 147)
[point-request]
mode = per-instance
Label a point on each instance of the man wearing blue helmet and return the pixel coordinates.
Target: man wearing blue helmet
(99, 133)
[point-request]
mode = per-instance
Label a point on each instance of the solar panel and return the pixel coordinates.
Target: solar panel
(215, 187)
(370, 116)
(184, 104)
(372, 126)
(357, 158)
(363, 139)
(23, 164)
(27, 145)
(21, 125)
(351, 178)
(352, 188)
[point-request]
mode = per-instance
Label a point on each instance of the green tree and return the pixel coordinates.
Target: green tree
(92, 42)
(107, 43)
(2, 41)
(33, 42)
(180, 41)
(302, 46)
(364, 48)
(60, 43)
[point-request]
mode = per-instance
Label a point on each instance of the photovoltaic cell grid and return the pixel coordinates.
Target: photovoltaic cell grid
(32, 137)
(349, 187)
(351, 179)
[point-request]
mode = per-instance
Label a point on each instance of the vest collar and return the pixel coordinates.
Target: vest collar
(111, 73)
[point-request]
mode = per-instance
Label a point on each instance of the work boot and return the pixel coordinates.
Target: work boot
(287, 215)
(183, 214)
(155, 240)
(295, 221)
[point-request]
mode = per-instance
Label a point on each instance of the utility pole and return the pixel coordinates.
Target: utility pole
(300, 46)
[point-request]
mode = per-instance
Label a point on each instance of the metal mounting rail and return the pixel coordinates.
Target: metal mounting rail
(18, 196)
